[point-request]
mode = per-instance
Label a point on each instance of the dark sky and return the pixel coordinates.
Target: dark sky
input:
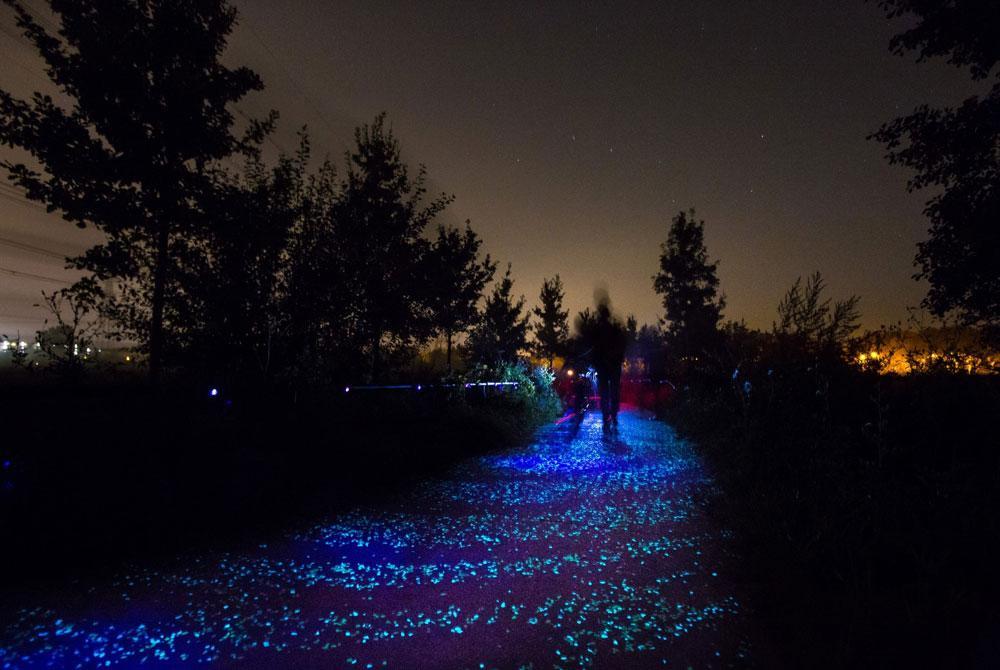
(571, 133)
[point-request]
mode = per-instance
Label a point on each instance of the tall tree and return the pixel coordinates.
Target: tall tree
(313, 301)
(455, 280)
(647, 346)
(147, 112)
(242, 278)
(552, 328)
(502, 331)
(688, 286)
(378, 225)
(955, 151)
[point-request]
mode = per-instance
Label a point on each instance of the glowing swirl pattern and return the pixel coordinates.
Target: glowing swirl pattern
(580, 550)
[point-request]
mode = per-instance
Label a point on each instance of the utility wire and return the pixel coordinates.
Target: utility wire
(32, 248)
(31, 275)
(268, 136)
(14, 192)
(27, 70)
(10, 188)
(34, 13)
(26, 203)
(288, 74)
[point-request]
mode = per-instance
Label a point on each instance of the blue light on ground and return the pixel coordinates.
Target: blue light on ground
(578, 551)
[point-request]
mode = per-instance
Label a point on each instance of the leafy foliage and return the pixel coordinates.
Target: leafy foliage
(148, 115)
(855, 495)
(378, 225)
(532, 394)
(965, 31)
(956, 152)
(68, 342)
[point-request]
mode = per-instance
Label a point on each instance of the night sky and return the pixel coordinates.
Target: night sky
(571, 133)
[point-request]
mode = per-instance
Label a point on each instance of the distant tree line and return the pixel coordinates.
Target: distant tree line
(289, 272)
(308, 273)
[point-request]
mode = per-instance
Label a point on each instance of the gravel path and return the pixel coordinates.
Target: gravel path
(578, 551)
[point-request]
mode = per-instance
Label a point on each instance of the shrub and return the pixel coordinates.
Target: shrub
(865, 503)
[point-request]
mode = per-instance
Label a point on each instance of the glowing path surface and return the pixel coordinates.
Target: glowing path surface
(578, 551)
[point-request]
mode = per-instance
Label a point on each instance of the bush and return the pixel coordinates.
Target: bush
(865, 504)
(119, 475)
(531, 397)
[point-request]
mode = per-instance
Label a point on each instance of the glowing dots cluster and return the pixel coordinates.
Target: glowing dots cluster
(578, 551)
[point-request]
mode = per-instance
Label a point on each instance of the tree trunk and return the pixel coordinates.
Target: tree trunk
(448, 337)
(376, 353)
(159, 291)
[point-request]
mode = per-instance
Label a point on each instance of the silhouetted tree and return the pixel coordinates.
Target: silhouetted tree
(805, 314)
(647, 346)
(502, 331)
(68, 341)
(455, 279)
(378, 225)
(688, 286)
(147, 113)
(955, 152)
(313, 300)
(256, 213)
(552, 328)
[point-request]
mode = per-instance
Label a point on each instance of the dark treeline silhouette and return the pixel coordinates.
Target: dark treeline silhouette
(256, 291)
(133, 155)
(288, 274)
(863, 501)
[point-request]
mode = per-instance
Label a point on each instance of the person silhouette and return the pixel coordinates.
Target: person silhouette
(609, 342)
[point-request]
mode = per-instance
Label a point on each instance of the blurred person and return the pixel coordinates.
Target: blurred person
(605, 339)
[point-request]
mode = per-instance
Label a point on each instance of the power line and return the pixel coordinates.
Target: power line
(30, 247)
(268, 136)
(5, 186)
(21, 39)
(26, 203)
(31, 275)
(17, 37)
(18, 196)
(17, 61)
(288, 74)
(33, 13)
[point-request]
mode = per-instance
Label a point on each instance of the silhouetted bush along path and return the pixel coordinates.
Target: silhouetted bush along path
(576, 551)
